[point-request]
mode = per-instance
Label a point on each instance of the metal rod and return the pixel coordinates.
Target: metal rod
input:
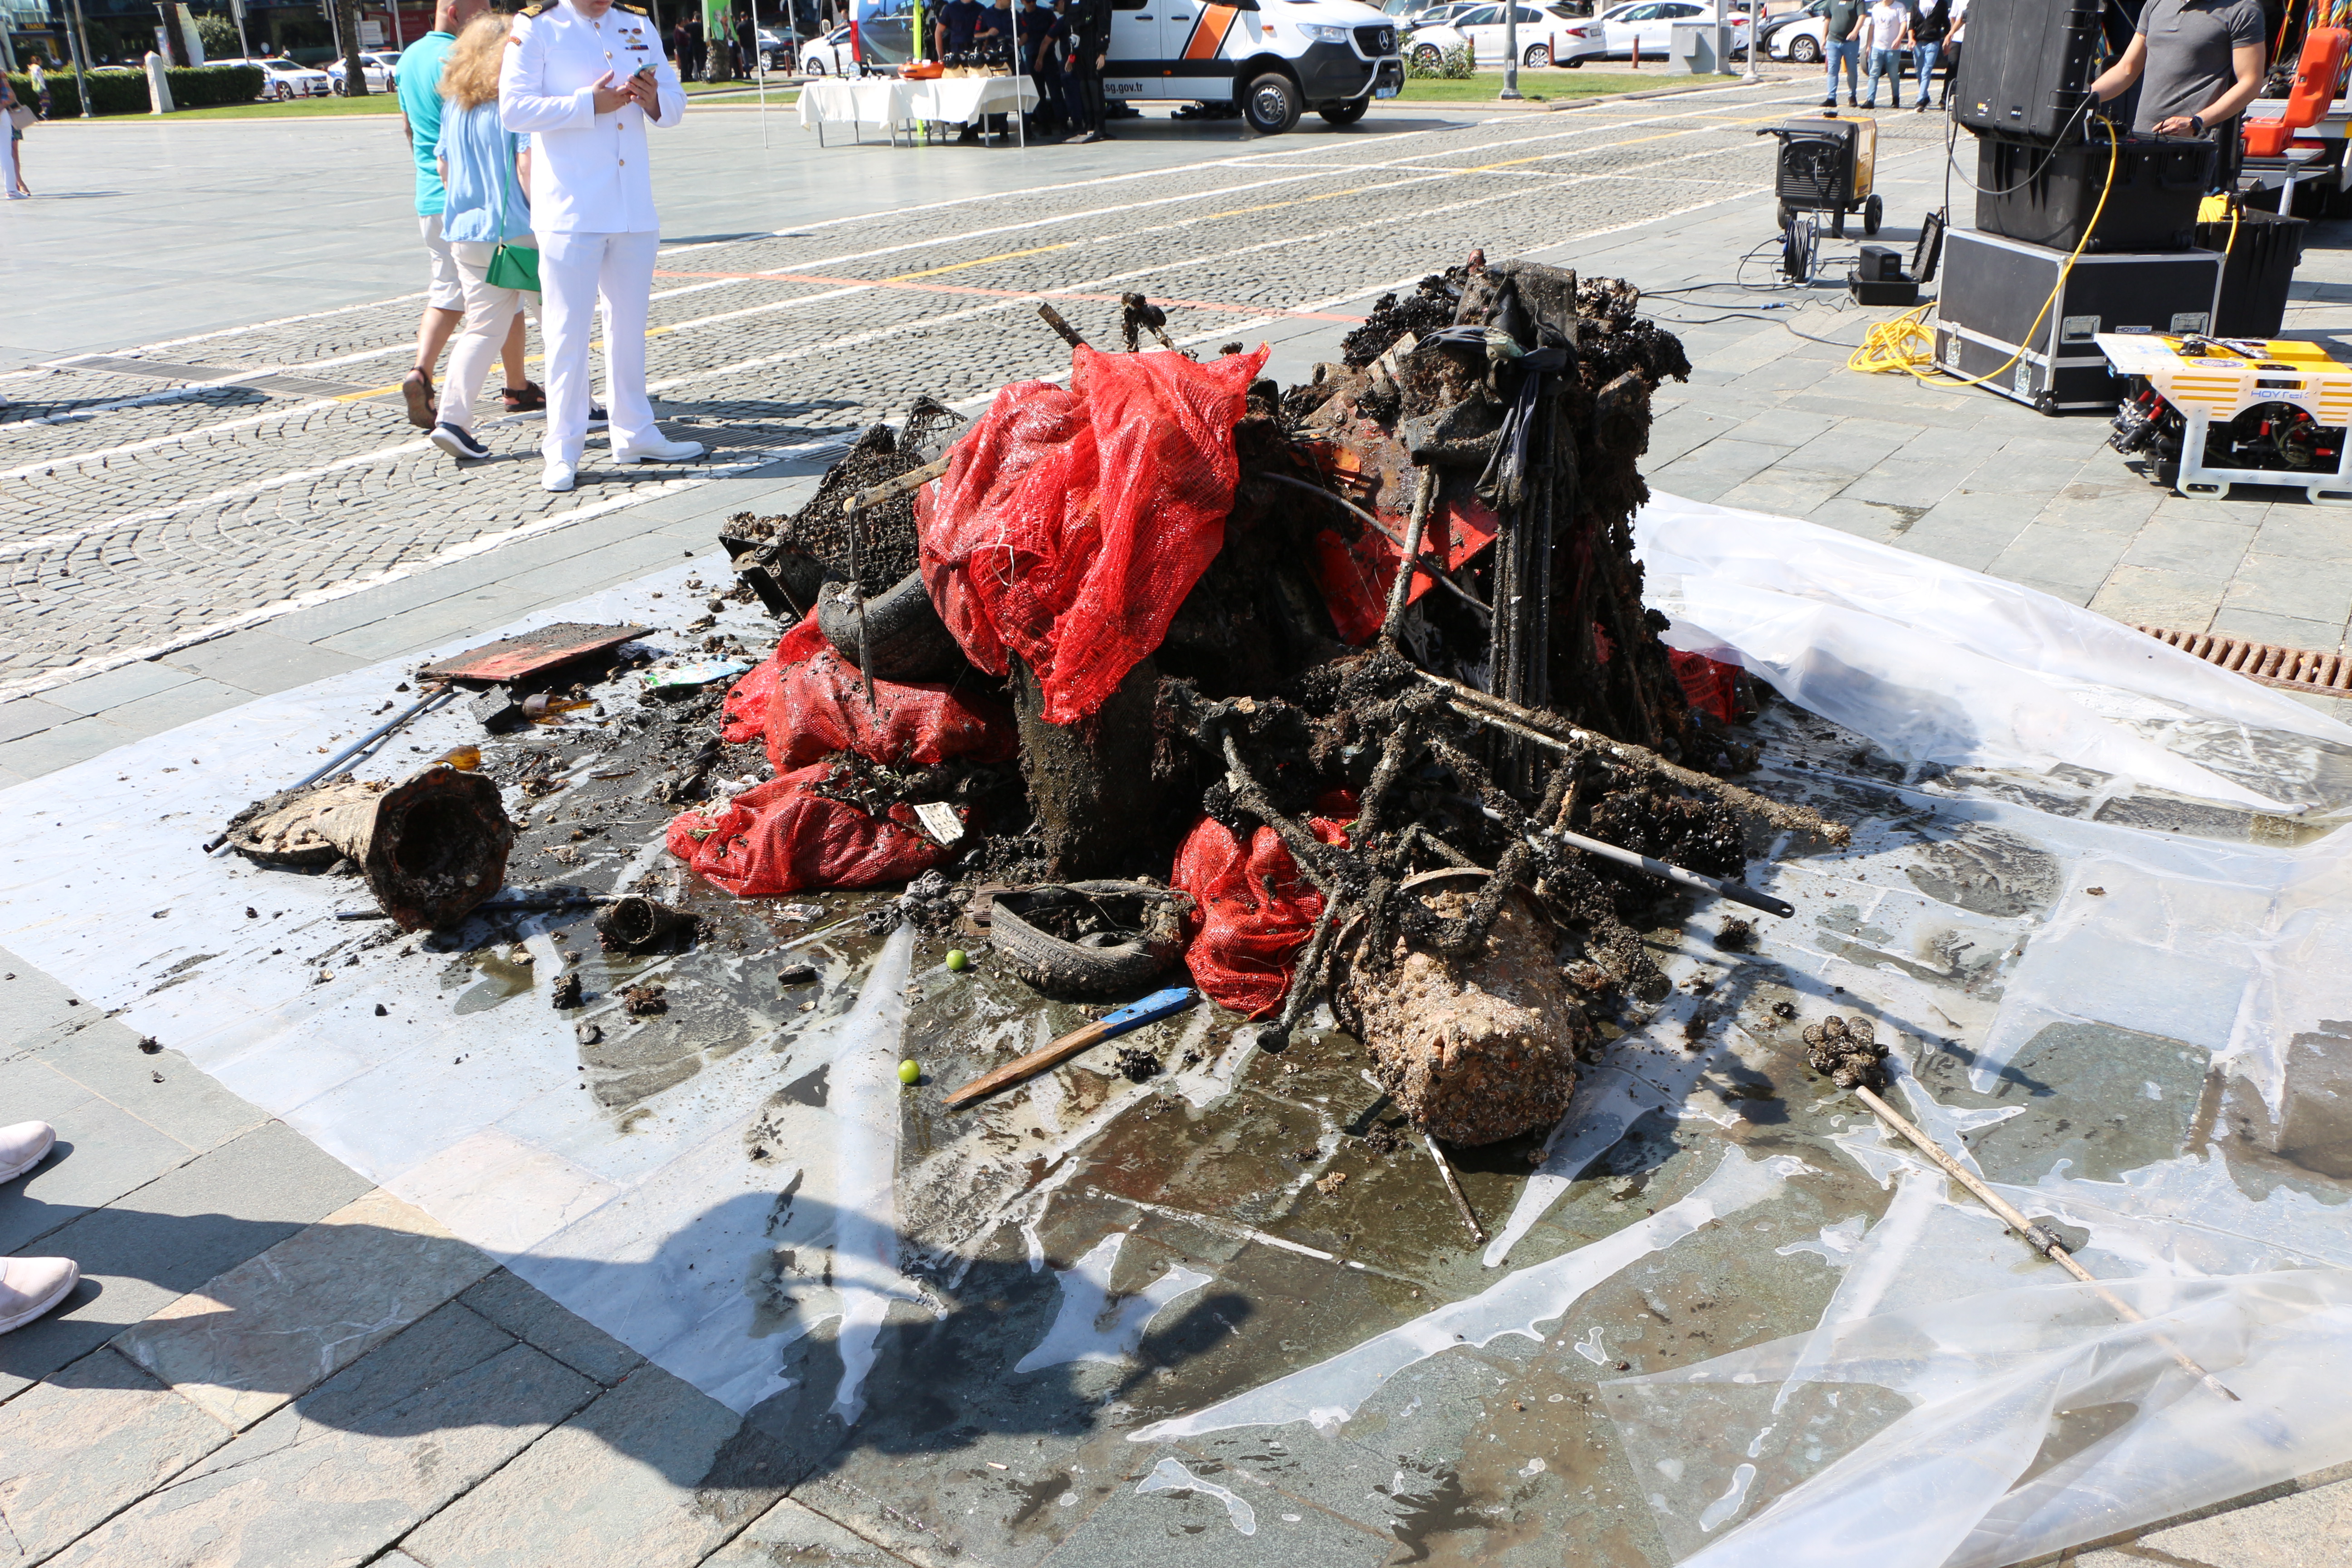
(1400, 592)
(1444, 1171)
(2040, 1237)
(424, 705)
(1556, 732)
(912, 479)
(1380, 528)
(1738, 892)
(1053, 320)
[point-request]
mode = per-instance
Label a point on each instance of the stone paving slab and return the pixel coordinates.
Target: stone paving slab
(274, 1327)
(78, 1446)
(351, 1468)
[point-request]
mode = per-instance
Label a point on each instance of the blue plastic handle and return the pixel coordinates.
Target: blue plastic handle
(1150, 1010)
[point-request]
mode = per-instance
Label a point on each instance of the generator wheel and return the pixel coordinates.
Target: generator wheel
(1872, 211)
(1806, 50)
(1787, 216)
(1271, 104)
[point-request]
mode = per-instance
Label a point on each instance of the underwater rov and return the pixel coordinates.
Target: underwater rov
(2228, 411)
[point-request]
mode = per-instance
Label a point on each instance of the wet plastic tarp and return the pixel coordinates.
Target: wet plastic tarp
(1939, 664)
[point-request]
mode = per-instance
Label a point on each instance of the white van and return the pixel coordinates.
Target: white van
(1269, 60)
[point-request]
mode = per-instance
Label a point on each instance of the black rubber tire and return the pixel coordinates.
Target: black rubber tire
(1271, 104)
(1061, 968)
(1805, 50)
(1575, 64)
(1538, 58)
(1873, 211)
(1428, 57)
(813, 67)
(1345, 112)
(1786, 217)
(905, 637)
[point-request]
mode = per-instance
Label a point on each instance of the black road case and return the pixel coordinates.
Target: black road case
(2028, 67)
(2046, 195)
(1994, 287)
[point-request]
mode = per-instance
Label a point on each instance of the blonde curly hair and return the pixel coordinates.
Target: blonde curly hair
(470, 77)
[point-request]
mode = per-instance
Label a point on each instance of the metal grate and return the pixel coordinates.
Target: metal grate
(2294, 668)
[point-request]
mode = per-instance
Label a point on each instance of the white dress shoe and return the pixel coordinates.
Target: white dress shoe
(660, 451)
(558, 477)
(24, 1146)
(31, 1286)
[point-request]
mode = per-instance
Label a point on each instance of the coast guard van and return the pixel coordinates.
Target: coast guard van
(1269, 60)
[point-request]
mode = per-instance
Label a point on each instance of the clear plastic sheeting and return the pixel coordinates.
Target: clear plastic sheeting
(1326, 1394)
(1939, 664)
(1987, 1430)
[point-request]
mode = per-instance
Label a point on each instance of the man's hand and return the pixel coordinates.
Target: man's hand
(608, 97)
(2178, 125)
(647, 91)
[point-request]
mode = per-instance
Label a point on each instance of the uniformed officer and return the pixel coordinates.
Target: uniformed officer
(583, 78)
(1089, 50)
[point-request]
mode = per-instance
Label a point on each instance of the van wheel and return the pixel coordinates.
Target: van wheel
(1345, 112)
(1538, 58)
(1271, 104)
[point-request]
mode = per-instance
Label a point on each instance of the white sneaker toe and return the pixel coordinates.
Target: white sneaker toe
(24, 1146)
(31, 1286)
(661, 452)
(558, 477)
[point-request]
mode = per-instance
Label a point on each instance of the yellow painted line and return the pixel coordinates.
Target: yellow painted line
(958, 267)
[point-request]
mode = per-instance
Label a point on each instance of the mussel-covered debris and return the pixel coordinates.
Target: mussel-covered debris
(1177, 697)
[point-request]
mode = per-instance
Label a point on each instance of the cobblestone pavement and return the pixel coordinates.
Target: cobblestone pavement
(138, 513)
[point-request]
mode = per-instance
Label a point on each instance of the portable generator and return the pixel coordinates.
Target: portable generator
(2226, 411)
(1826, 165)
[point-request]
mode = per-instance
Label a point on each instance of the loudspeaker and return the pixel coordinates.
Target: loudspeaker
(2028, 66)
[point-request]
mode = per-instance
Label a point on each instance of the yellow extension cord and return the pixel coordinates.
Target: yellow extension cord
(1907, 345)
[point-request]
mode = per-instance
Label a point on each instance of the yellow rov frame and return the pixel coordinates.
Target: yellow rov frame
(2222, 380)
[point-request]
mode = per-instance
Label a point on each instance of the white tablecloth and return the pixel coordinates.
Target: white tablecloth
(887, 100)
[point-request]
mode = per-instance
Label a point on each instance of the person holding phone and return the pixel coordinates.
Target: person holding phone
(583, 79)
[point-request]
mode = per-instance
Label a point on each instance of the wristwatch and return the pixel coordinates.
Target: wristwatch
(2197, 125)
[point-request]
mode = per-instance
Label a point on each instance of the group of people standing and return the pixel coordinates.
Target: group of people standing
(1061, 46)
(1875, 33)
(547, 230)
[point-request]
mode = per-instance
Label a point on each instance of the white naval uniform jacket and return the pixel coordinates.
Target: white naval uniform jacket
(589, 171)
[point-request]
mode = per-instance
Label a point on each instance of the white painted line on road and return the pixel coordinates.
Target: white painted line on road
(798, 301)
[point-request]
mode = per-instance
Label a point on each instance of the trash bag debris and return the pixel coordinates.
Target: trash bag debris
(787, 834)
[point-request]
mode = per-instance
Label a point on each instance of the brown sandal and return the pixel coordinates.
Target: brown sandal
(416, 388)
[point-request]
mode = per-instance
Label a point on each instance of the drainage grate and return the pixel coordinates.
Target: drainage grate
(2329, 674)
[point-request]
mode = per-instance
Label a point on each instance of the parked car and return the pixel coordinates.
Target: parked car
(1483, 27)
(1650, 24)
(375, 68)
(282, 80)
(885, 42)
(776, 49)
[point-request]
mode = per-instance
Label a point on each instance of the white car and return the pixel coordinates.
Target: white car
(829, 54)
(376, 68)
(1482, 28)
(1648, 24)
(282, 80)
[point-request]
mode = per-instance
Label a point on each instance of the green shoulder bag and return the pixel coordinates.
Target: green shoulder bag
(512, 266)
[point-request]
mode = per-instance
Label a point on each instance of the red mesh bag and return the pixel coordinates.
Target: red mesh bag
(744, 716)
(1708, 683)
(819, 707)
(1252, 911)
(1071, 523)
(779, 838)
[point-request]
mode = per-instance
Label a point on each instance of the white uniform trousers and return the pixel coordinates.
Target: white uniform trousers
(573, 270)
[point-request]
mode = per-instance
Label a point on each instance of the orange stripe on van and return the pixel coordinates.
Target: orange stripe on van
(1209, 32)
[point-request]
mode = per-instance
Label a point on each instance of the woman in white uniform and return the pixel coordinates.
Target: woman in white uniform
(583, 78)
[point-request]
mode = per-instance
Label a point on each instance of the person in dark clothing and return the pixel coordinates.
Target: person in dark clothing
(1953, 40)
(1041, 32)
(1931, 20)
(2198, 63)
(957, 19)
(1841, 40)
(1089, 23)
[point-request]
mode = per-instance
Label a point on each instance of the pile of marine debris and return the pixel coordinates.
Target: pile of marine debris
(1129, 669)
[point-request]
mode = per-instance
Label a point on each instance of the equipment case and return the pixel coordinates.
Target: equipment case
(2028, 67)
(1994, 287)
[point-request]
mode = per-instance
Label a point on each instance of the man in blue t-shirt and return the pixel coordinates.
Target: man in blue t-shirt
(418, 82)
